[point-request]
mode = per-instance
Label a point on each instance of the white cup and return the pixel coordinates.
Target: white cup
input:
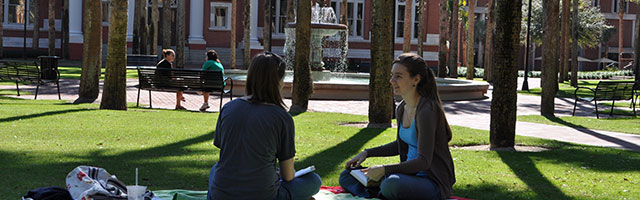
(136, 192)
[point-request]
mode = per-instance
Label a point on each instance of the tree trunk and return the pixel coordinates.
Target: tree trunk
(343, 12)
(380, 94)
(620, 32)
(453, 47)
(442, 51)
(247, 34)
(91, 53)
(180, 26)
(137, 15)
(1, 29)
(489, 51)
(166, 24)
(154, 27)
(144, 28)
(550, 57)
(291, 10)
(564, 58)
(234, 13)
(421, 13)
(52, 29)
(406, 36)
(574, 46)
(36, 24)
(266, 33)
(471, 39)
(114, 94)
(65, 27)
(636, 46)
(302, 83)
(507, 48)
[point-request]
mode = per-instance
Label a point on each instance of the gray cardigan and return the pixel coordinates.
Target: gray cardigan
(433, 150)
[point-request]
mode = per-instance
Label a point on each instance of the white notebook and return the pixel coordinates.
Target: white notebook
(305, 171)
(364, 180)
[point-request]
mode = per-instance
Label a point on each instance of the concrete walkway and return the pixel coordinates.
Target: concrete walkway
(472, 114)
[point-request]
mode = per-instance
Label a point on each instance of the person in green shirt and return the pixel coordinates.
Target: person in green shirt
(212, 63)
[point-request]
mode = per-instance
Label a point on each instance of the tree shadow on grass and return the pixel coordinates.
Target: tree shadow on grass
(57, 112)
(326, 161)
(526, 170)
(623, 143)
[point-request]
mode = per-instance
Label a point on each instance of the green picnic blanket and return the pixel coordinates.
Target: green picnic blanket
(202, 195)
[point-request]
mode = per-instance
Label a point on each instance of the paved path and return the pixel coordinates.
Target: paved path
(472, 114)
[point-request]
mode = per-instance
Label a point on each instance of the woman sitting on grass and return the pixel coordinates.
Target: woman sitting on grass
(426, 168)
(252, 132)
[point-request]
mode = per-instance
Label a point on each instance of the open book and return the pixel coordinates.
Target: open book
(364, 180)
(305, 171)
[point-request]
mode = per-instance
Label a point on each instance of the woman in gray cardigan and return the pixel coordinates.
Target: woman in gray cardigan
(426, 167)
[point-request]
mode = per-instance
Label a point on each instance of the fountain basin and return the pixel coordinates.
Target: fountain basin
(355, 86)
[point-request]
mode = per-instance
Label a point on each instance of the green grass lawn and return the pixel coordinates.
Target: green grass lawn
(623, 124)
(75, 72)
(566, 90)
(41, 141)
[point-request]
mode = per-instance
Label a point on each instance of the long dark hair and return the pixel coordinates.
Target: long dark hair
(263, 79)
(212, 55)
(427, 87)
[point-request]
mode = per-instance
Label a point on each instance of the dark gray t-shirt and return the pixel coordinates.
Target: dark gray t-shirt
(251, 137)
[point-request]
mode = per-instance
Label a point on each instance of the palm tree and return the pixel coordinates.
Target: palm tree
(564, 58)
(232, 45)
(550, 57)
(453, 39)
(65, 29)
(421, 14)
(406, 36)
(140, 28)
(114, 94)
(266, 33)
(471, 39)
(35, 8)
(166, 24)
(442, 51)
(52, 29)
(636, 45)
(247, 34)
(154, 27)
(91, 53)
(507, 48)
(135, 44)
(1, 29)
(621, 7)
(380, 94)
(180, 27)
(302, 83)
(574, 46)
(489, 51)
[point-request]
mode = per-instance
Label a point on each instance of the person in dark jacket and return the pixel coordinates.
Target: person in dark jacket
(426, 169)
(167, 63)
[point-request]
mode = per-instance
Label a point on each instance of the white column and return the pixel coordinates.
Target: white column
(254, 25)
(75, 21)
(196, 19)
(132, 6)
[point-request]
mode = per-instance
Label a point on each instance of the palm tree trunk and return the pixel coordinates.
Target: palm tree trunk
(421, 13)
(180, 33)
(154, 27)
(292, 6)
(65, 27)
(52, 29)
(406, 44)
(442, 51)
(574, 46)
(453, 47)
(36, 24)
(1, 29)
(471, 39)
(636, 46)
(489, 51)
(266, 33)
(507, 49)
(144, 28)
(135, 44)
(166, 24)
(343, 12)
(114, 94)
(564, 58)
(234, 13)
(620, 32)
(550, 57)
(380, 94)
(91, 53)
(247, 34)
(302, 83)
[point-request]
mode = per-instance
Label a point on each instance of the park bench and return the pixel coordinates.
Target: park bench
(25, 73)
(173, 80)
(608, 91)
(141, 60)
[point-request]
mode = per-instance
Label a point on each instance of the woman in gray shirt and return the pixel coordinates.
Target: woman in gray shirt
(426, 167)
(254, 133)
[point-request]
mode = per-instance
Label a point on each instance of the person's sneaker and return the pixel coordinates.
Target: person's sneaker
(204, 107)
(180, 108)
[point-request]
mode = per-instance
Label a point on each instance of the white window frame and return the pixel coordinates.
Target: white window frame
(108, 14)
(413, 21)
(15, 26)
(353, 20)
(614, 4)
(595, 3)
(212, 15)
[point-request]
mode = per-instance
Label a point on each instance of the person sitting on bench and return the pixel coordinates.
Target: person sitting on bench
(166, 63)
(212, 63)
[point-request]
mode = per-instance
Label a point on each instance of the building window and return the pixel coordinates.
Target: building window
(355, 16)
(614, 7)
(15, 12)
(220, 16)
(400, 5)
(105, 12)
(596, 3)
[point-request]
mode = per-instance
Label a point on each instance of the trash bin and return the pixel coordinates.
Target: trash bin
(48, 67)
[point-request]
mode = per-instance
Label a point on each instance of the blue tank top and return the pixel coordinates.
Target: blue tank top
(408, 135)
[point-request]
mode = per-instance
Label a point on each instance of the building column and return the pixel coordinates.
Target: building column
(132, 6)
(196, 22)
(75, 21)
(255, 44)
